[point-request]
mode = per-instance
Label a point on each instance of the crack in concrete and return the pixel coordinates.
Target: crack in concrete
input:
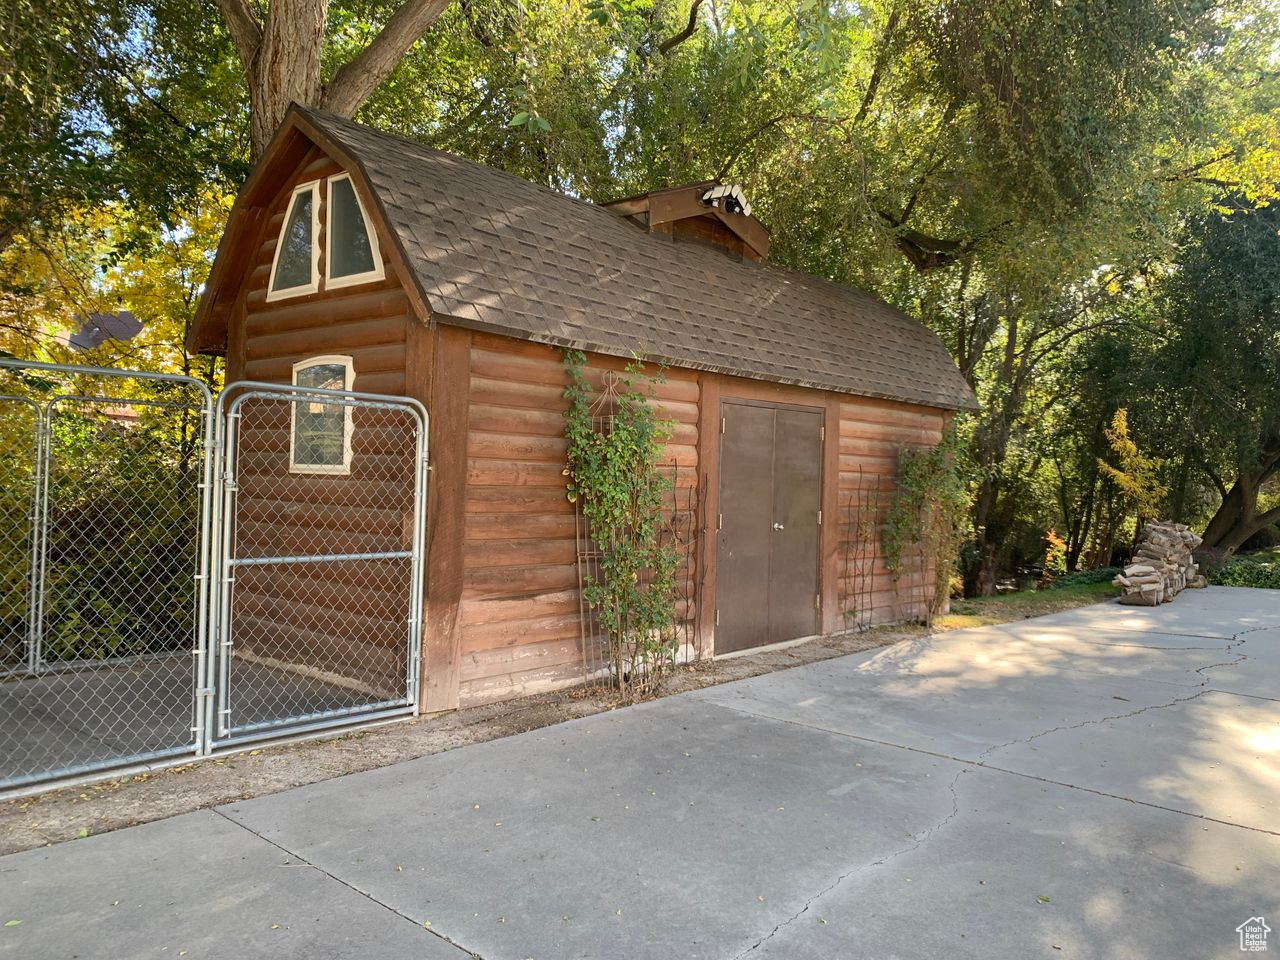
(1232, 645)
(917, 841)
(350, 886)
(1116, 796)
(1235, 640)
(980, 760)
(921, 838)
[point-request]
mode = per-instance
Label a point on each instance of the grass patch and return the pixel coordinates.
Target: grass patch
(1008, 607)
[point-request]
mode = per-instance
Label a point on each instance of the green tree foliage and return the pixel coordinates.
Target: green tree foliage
(1018, 180)
(1220, 364)
(112, 101)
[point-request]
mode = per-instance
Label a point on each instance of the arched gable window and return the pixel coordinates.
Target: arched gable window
(295, 268)
(352, 256)
(351, 244)
(320, 432)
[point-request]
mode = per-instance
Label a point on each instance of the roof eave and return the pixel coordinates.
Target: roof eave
(657, 357)
(208, 333)
(297, 132)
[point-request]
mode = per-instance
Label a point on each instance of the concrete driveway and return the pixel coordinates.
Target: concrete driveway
(1103, 783)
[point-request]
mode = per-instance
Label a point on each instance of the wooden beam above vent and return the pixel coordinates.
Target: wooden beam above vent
(670, 211)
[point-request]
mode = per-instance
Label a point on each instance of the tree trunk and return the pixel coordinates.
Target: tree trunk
(286, 68)
(990, 445)
(981, 580)
(1080, 528)
(281, 58)
(1237, 518)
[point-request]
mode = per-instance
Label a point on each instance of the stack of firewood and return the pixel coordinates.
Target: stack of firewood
(1162, 565)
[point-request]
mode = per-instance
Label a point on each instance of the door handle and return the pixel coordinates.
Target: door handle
(778, 526)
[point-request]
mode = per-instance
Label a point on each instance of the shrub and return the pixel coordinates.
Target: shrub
(1079, 578)
(1248, 572)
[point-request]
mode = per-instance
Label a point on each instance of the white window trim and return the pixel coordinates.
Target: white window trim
(331, 282)
(314, 285)
(348, 378)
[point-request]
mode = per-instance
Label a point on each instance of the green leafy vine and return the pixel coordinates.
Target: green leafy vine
(615, 445)
(928, 509)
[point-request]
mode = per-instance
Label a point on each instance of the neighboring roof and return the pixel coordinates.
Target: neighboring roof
(493, 252)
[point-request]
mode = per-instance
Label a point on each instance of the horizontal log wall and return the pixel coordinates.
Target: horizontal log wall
(872, 435)
(511, 626)
(343, 619)
(519, 612)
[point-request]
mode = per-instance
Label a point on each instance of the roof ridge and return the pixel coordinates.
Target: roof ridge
(493, 251)
(327, 117)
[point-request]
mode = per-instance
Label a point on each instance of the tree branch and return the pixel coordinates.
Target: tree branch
(916, 188)
(1187, 172)
(672, 42)
(1271, 516)
(877, 71)
(1034, 359)
(1217, 480)
(746, 142)
(245, 30)
(358, 78)
(925, 252)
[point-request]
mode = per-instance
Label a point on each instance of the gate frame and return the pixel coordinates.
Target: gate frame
(40, 515)
(220, 621)
(212, 601)
(29, 662)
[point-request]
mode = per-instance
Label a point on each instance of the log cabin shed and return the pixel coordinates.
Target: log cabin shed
(373, 262)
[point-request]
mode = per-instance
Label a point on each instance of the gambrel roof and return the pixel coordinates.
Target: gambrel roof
(490, 251)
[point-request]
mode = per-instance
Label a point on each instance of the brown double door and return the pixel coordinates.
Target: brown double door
(767, 545)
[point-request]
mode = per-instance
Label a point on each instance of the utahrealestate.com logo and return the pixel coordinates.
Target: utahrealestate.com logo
(1253, 935)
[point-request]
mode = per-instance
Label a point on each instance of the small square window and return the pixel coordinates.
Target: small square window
(320, 435)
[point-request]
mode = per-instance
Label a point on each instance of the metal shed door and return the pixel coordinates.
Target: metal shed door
(767, 550)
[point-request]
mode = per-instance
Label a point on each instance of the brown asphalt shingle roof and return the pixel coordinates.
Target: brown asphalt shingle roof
(494, 252)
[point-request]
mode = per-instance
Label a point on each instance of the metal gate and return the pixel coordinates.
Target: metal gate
(172, 582)
(102, 510)
(319, 544)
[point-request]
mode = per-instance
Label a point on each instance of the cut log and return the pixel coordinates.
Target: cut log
(1165, 567)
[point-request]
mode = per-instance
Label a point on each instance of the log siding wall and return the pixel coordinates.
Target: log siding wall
(872, 432)
(519, 611)
(367, 322)
(502, 575)
(349, 622)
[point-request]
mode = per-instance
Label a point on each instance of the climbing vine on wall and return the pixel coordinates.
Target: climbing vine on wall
(927, 511)
(615, 444)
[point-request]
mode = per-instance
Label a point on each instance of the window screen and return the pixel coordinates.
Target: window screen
(294, 260)
(350, 251)
(320, 429)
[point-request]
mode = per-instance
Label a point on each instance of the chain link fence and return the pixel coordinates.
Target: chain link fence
(167, 592)
(321, 558)
(19, 450)
(100, 553)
